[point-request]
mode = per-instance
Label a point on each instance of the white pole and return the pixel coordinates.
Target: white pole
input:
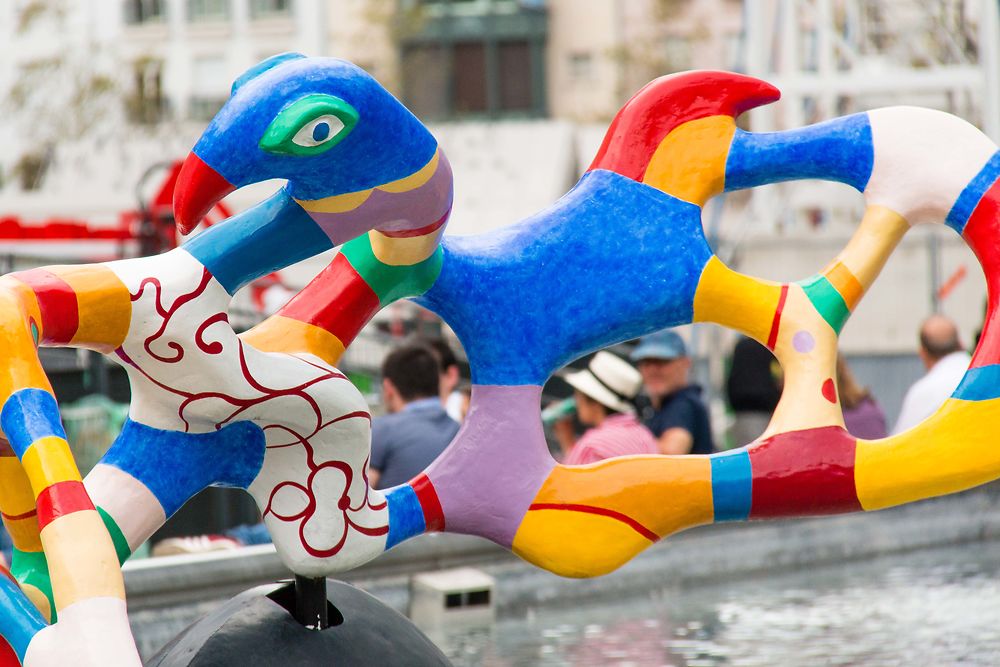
(989, 60)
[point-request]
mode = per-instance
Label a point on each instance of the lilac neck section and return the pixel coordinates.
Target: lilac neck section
(392, 211)
(492, 470)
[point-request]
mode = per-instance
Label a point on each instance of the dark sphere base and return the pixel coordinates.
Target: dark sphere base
(256, 629)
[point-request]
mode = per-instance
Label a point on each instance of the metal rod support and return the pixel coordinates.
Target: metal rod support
(310, 602)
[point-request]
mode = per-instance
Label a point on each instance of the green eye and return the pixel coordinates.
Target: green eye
(310, 126)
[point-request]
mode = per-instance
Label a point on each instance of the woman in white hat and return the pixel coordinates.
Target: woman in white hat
(603, 393)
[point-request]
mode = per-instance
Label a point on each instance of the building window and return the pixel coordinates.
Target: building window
(474, 58)
(514, 71)
(469, 79)
(734, 49)
(447, 3)
(425, 77)
(30, 169)
(677, 52)
(203, 109)
(581, 66)
(142, 11)
(210, 88)
(265, 8)
(473, 78)
(147, 104)
(207, 10)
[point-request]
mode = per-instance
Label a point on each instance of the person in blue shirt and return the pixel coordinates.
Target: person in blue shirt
(674, 410)
(6, 547)
(417, 428)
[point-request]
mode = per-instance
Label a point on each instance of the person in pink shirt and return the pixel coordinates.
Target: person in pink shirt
(603, 393)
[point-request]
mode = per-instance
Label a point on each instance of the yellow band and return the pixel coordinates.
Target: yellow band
(16, 497)
(690, 162)
(24, 533)
(82, 560)
(103, 304)
(18, 306)
(284, 334)
(352, 200)
(735, 300)
(404, 251)
(49, 461)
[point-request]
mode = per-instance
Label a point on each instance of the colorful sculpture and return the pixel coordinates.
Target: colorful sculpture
(268, 411)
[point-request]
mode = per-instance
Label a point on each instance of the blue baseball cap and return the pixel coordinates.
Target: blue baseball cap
(665, 344)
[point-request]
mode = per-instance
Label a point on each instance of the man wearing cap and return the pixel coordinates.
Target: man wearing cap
(604, 392)
(675, 413)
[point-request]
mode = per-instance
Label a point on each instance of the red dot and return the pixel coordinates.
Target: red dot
(829, 391)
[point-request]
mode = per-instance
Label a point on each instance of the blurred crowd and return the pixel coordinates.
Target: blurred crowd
(642, 402)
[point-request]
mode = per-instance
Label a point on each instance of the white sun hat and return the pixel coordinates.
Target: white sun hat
(609, 380)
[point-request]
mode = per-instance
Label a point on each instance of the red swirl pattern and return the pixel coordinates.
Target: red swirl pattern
(167, 314)
(343, 503)
(187, 410)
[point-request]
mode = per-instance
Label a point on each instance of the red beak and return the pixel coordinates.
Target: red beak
(198, 189)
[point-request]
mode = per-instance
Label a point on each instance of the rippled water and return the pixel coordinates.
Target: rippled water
(937, 607)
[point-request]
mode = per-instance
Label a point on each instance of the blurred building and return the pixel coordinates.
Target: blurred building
(447, 59)
(519, 92)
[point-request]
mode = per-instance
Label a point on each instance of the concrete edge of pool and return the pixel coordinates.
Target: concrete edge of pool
(166, 594)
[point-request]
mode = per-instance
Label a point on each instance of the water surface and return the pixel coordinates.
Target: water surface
(934, 607)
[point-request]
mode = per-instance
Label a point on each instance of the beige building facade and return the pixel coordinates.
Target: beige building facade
(553, 72)
(576, 60)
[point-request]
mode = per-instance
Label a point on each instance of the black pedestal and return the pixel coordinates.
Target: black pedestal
(257, 629)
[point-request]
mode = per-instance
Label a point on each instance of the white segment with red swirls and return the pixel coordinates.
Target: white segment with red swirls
(191, 373)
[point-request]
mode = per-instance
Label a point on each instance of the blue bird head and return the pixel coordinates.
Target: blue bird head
(323, 124)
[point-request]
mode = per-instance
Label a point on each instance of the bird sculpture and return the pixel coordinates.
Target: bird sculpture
(268, 414)
(621, 255)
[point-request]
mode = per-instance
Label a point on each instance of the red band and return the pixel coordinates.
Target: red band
(804, 473)
(61, 499)
(981, 235)
(429, 502)
(17, 517)
(419, 231)
(56, 301)
(600, 511)
(772, 338)
(640, 126)
(342, 304)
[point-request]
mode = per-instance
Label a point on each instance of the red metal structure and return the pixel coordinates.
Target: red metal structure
(150, 225)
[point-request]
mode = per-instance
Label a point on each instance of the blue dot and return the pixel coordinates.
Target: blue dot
(321, 131)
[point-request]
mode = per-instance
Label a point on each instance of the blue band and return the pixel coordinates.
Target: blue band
(966, 203)
(732, 483)
(979, 384)
(836, 150)
(175, 466)
(270, 236)
(20, 621)
(406, 516)
(30, 414)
